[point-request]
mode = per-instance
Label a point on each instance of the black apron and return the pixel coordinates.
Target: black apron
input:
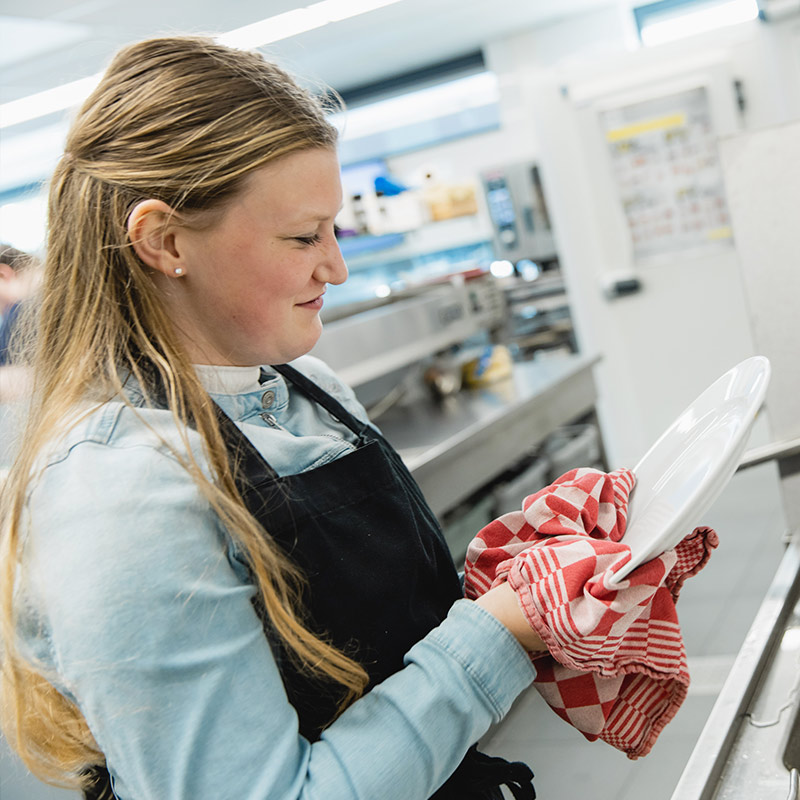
(379, 575)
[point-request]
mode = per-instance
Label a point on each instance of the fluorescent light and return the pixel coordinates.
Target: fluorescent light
(472, 91)
(702, 20)
(299, 20)
(47, 102)
(272, 29)
(335, 10)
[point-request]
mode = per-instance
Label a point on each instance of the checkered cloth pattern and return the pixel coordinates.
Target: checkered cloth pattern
(616, 664)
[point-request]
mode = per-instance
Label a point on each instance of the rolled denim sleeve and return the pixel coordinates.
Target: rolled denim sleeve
(141, 619)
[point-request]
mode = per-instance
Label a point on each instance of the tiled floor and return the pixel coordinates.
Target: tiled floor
(716, 609)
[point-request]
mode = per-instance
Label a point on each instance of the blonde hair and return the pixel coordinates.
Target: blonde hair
(183, 120)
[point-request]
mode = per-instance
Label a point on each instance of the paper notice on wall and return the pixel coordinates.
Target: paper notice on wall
(664, 158)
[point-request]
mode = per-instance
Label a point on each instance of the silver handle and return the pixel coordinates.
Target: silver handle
(793, 783)
(769, 452)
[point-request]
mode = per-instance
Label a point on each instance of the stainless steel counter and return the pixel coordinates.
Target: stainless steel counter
(750, 746)
(455, 446)
(740, 752)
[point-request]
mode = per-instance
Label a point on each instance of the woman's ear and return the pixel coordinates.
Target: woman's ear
(151, 230)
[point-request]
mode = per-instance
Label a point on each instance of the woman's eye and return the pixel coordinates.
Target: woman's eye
(315, 238)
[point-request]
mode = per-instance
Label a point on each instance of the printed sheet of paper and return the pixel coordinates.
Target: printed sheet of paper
(664, 158)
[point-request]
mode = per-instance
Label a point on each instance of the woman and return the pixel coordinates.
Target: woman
(220, 581)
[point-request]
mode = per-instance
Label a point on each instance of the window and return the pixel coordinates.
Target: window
(668, 20)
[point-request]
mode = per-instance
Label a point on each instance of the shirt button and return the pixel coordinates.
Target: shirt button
(267, 399)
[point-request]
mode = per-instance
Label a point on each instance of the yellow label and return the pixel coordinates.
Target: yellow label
(725, 232)
(636, 128)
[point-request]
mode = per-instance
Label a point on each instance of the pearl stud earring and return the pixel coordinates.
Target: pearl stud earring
(178, 271)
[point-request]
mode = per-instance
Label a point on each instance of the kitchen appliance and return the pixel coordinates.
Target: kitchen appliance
(517, 208)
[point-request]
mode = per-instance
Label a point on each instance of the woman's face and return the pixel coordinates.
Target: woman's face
(253, 282)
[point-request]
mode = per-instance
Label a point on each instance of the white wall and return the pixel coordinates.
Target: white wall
(763, 175)
(660, 347)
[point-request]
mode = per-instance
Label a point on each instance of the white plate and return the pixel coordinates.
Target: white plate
(684, 472)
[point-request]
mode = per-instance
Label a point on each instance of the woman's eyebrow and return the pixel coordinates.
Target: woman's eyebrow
(323, 217)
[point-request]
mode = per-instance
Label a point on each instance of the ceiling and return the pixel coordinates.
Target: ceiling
(45, 43)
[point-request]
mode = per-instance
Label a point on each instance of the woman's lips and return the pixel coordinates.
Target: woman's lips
(313, 305)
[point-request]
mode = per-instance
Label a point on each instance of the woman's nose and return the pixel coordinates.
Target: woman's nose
(332, 268)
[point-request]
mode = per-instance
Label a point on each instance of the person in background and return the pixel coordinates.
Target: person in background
(19, 274)
(220, 581)
(16, 283)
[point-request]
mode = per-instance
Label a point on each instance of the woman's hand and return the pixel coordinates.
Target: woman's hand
(501, 602)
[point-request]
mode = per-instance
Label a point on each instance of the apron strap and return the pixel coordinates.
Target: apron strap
(322, 398)
(241, 451)
(244, 454)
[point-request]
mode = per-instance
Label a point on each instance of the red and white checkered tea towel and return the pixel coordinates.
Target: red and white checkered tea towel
(616, 667)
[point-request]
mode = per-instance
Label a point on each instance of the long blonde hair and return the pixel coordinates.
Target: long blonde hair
(183, 120)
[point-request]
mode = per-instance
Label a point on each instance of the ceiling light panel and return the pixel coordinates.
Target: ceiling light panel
(670, 20)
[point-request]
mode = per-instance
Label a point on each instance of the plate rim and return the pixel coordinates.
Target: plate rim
(714, 475)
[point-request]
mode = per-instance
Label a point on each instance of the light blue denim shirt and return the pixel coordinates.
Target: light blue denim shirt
(136, 606)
